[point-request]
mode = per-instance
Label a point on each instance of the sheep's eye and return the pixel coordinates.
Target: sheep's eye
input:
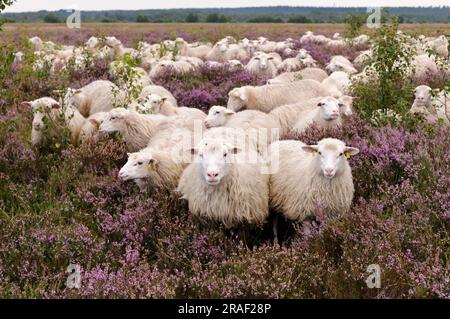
(341, 154)
(257, 59)
(271, 58)
(113, 117)
(217, 113)
(225, 154)
(320, 153)
(140, 163)
(341, 104)
(320, 104)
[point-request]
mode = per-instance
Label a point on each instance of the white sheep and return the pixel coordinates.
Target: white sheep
(267, 97)
(338, 83)
(160, 91)
(311, 37)
(363, 58)
(325, 115)
(260, 126)
(37, 43)
(48, 119)
(423, 65)
(362, 39)
(95, 97)
(262, 64)
(160, 105)
(180, 67)
(156, 167)
(92, 43)
(439, 45)
(305, 74)
(89, 130)
(340, 63)
(434, 107)
(136, 129)
(220, 186)
(311, 178)
(200, 51)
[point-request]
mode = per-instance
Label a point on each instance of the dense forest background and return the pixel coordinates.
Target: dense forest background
(254, 14)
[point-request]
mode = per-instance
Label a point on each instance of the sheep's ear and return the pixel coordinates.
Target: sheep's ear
(152, 164)
(312, 149)
(56, 106)
(94, 122)
(229, 112)
(27, 104)
(77, 91)
(242, 95)
(351, 151)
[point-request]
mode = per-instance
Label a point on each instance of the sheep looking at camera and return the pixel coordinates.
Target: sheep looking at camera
(311, 178)
(222, 187)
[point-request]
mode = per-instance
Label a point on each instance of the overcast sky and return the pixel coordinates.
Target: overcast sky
(33, 5)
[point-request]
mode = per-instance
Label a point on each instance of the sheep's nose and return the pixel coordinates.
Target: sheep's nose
(213, 174)
(37, 126)
(328, 171)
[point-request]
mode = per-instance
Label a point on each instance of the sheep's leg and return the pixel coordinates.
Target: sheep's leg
(275, 229)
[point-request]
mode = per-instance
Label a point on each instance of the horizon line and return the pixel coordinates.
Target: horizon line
(213, 8)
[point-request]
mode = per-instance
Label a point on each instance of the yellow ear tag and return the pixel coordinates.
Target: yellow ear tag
(314, 153)
(347, 155)
(151, 166)
(57, 145)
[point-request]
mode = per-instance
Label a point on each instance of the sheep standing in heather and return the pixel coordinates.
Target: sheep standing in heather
(338, 83)
(305, 74)
(89, 130)
(340, 63)
(160, 105)
(37, 43)
(325, 115)
(434, 107)
(221, 186)
(311, 178)
(267, 97)
(424, 65)
(160, 91)
(95, 97)
(180, 67)
(258, 125)
(200, 51)
(49, 118)
(136, 129)
(262, 64)
(158, 166)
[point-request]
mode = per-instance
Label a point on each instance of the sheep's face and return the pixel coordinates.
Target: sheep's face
(331, 156)
(329, 108)
(422, 95)
(113, 42)
(237, 99)
(215, 160)
(92, 42)
(218, 116)
(153, 104)
(222, 46)
(114, 121)
(139, 165)
(262, 60)
(75, 97)
(334, 66)
(345, 105)
(302, 54)
(44, 111)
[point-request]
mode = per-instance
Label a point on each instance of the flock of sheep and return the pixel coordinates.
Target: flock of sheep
(228, 164)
